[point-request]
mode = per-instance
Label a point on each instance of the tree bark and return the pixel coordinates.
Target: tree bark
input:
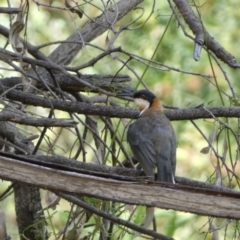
(167, 196)
(31, 224)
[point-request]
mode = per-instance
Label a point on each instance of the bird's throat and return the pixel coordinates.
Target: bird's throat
(141, 104)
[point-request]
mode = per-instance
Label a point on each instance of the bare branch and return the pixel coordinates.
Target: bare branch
(113, 218)
(94, 60)
(8, 56)
(113, 111)
(41, 122)
(113, 83)
(10, 10)
(92, 29)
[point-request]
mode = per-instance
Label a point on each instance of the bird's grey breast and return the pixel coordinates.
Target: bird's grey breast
(140, 141)
(149, 136)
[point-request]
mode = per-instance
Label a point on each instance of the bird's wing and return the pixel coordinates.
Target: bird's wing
(164, 141)
(142, 148)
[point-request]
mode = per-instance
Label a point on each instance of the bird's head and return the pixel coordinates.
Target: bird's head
(144, 99)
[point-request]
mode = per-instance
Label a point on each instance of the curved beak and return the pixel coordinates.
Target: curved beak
(126, 95)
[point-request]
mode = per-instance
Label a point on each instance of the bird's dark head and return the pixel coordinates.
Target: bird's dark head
(143, 99)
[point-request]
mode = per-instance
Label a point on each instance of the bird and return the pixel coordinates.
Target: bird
(152, 138)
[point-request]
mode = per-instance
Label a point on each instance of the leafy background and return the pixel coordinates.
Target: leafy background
(162, 40)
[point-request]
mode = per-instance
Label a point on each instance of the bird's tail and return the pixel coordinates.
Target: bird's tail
(165, 172)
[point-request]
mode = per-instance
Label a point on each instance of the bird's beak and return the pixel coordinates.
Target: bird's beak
(126, 95)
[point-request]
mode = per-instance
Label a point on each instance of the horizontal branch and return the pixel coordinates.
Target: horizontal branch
(113, 111)
(110, 83)
(40, 122)
(203, 112)
(6, 56)
(119, 173)
(98, 170)
(166, 196)
(8, 10)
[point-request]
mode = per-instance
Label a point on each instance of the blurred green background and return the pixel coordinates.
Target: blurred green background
(182, 85)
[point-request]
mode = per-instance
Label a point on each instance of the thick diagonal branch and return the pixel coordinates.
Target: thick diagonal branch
(65, 53)
(202, 36)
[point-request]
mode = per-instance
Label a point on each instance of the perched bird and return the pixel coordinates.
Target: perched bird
(152, 138)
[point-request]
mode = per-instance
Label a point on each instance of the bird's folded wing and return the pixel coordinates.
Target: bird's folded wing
(142, 148)
(164, 144)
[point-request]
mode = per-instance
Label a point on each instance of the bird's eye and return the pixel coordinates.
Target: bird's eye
(143, 96)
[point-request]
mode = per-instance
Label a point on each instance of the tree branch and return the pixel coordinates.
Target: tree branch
(65, 53)
(113, 83)
(113, 111)
(167, 196)
(113, 218)
(40, 122)
(10, 10)
(104, 171)
(202, 36)
(7, 56)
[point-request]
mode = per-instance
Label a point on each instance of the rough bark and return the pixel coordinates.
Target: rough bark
(27, 205)
(112, 83)
(115, 111)
(168, 196)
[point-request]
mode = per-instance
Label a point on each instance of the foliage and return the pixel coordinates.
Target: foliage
(173, 75)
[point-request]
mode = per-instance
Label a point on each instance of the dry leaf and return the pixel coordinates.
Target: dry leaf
(219, 180)
(129, 207)
(73, 10)
(147, 221)
(125, 122)
(52, 200)
(25, 81)
(214, 229)
(225, 149)
(107, 41)
(75, 226)
(14, 37)
(98, 157)
(211, 139)
(205, 150)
